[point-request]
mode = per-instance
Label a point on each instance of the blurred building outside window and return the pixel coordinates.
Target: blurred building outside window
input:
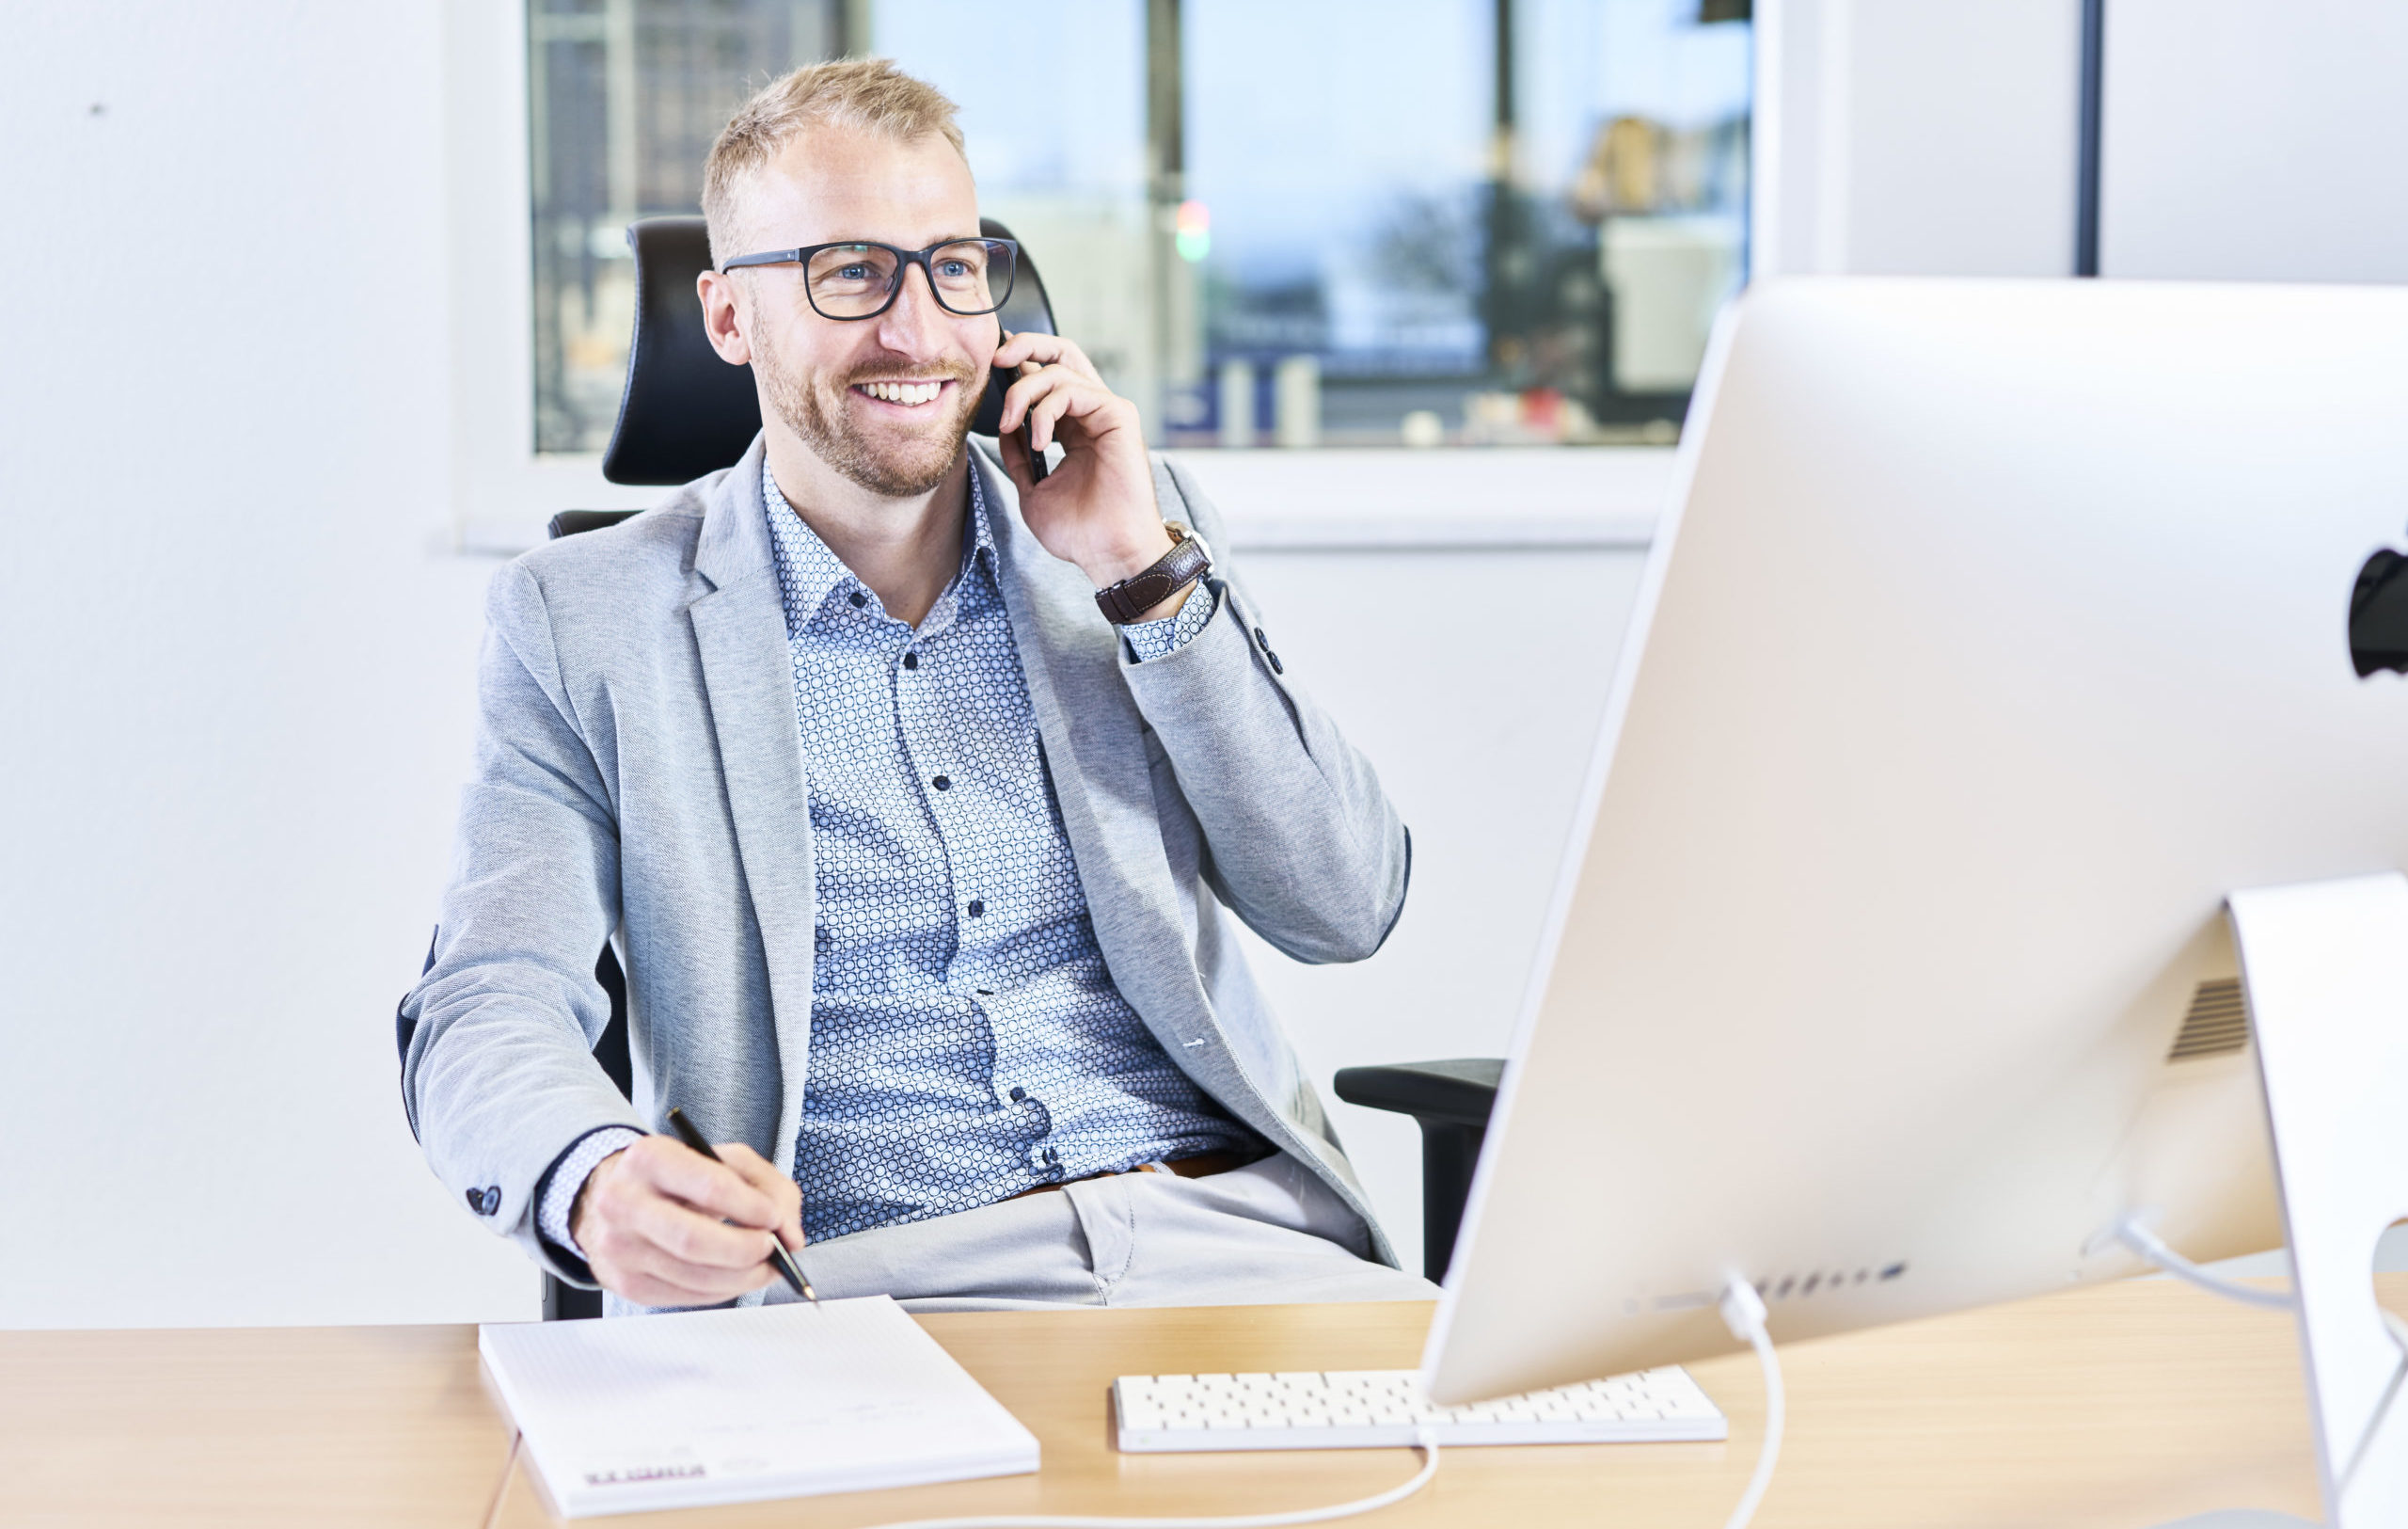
(1422, 222)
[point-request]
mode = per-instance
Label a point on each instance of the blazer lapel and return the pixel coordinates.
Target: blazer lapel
(748, 670)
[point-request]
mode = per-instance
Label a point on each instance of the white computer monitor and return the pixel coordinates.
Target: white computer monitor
(1996, 632)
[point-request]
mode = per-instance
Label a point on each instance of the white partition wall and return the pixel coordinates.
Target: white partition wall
(2255, 141)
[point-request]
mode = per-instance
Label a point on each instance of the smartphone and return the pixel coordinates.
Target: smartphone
(991, 417)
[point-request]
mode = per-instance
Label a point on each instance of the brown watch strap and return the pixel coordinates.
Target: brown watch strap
(1188, 559)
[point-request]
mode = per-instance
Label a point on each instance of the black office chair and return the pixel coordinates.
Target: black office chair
(685, 413)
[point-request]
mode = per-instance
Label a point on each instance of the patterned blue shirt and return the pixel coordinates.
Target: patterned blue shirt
(967, 1042)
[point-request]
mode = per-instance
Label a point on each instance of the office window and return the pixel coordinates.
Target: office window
(1381, 221)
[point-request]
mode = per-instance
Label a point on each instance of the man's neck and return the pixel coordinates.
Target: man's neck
(904, 550)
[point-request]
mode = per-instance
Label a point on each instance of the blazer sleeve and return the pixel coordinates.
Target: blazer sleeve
(499, 1076)
(1302, 843)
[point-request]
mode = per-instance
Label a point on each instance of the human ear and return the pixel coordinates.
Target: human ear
(726, 317)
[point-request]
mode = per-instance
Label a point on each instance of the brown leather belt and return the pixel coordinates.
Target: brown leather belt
(1202, 1165)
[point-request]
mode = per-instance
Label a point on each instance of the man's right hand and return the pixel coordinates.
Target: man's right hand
(652, 1220)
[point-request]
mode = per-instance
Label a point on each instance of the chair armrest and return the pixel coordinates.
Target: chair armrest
(1458, 1092)
(1450, 1102)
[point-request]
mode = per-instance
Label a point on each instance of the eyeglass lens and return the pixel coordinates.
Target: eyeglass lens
(970, 276)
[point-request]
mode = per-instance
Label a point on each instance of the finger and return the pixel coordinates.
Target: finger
(626, 1262)
(1079, 405)
(1046, 350)
(1047, 415)
(1034, 382)
(677, 1171)
(1016, 463)
(1029, 390)
(657, 1279)
(710, 1281)
(696, 1237)
(756, 1169)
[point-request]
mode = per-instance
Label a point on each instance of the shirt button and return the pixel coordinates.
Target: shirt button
(977, 908)
(943, 783)
(910, 661)
(1017, 1094)
(1261, 640)
(858, 598)
(1052, 1156)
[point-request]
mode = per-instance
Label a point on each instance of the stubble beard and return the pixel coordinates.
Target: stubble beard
(814, 409)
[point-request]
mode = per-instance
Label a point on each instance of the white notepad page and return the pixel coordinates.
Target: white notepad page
(634, 1413)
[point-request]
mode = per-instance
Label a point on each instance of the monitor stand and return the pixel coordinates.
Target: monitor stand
(2325, 967)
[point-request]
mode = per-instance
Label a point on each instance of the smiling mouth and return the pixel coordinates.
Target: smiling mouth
(907, 394)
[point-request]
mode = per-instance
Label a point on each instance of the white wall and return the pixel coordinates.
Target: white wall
(2255, 141)
(233, 665)
(1916, 137)
(2241, 140)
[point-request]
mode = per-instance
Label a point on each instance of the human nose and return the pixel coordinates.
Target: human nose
(915, 323)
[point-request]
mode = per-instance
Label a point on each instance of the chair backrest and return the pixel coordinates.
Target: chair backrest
(685, 412)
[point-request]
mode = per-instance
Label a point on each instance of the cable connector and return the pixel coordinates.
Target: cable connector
(1743, 1313)
(2130, 1233)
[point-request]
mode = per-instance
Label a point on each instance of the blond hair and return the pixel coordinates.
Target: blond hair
(869, 95)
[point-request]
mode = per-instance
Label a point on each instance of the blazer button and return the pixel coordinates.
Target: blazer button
(486, 1201)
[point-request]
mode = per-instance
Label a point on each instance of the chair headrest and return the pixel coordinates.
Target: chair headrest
(685, 412)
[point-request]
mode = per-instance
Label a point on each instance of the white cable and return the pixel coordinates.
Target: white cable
(2148, 1245)
(1743, 1313)
(1426, 1442)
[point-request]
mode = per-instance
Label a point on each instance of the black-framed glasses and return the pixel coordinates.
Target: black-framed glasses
(856, 279)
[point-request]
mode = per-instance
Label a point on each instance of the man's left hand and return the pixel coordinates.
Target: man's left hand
(1097, 509)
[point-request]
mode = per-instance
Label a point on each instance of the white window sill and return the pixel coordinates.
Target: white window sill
(1338, 498)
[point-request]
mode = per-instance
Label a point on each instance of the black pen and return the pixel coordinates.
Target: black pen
(778, 1255)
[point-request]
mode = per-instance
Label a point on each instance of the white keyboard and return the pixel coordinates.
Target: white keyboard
(1378, 1409)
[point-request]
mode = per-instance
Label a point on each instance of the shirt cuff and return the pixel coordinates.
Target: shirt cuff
(568, 1177)
(1160, 639)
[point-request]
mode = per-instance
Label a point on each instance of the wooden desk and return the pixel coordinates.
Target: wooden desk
(2122, 1406)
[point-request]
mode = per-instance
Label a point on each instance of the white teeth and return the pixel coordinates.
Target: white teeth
(904, 393)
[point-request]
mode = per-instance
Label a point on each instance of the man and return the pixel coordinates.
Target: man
(916, 848)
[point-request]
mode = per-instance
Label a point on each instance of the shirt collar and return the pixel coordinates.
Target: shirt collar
(810, 574)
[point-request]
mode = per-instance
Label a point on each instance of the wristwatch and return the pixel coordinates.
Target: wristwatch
(1129, 599)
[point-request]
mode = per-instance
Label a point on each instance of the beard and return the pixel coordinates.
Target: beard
(814, 407)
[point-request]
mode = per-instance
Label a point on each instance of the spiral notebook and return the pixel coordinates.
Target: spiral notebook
(695, 1408)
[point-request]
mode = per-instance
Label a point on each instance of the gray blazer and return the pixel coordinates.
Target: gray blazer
(639, 779)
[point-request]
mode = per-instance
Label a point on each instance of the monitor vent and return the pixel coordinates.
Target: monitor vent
(2217, 1023)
